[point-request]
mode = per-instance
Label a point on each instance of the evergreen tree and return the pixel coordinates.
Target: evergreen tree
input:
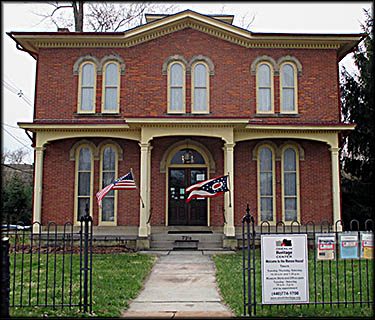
(357, 99)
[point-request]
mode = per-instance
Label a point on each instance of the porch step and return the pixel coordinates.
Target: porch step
(185, 245)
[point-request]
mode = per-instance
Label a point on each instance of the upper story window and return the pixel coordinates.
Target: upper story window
(264, 88)
(87, 88)
(176, 87)
(111, 88)
(288, 88)
(200, 88)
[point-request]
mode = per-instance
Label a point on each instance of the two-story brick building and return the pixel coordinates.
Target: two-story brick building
(180, 99)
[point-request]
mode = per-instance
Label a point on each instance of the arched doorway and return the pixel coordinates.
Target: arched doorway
(186, 165)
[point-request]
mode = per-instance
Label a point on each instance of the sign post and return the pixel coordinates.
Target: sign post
(284, 269)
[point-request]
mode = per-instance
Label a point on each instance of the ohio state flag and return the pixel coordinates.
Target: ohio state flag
(208, 189)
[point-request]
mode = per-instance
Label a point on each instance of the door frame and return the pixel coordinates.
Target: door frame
(181, 166)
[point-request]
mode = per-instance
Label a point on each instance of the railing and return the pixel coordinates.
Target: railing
(335, 277)
(50, 266)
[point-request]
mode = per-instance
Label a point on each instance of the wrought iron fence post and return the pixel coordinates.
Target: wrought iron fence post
(5, 278)
(246, 219)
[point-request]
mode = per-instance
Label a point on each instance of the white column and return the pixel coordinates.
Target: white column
(143, 212)
(336, 187)
(148, 200)
(229, 229)
(38, 183)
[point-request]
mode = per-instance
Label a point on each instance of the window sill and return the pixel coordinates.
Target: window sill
(98, 114)
(185, 114)
(277, 115)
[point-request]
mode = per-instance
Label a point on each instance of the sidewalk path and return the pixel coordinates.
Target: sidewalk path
(181, 284)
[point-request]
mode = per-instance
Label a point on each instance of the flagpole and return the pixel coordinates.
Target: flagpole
(143, 205)
(230, 198)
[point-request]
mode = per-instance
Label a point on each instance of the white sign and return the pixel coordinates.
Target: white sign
(284, 269)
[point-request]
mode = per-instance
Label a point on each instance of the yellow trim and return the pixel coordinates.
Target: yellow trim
(207, 88)
(115, 196)
(273, 184)
(76, 222)
(104, 86)
(183, 88)
(169, 165)
(271, 88)
(79, 110)
(295, 87)
(289, 146)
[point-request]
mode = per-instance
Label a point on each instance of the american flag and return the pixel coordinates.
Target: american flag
(126, 182)
(208, 189)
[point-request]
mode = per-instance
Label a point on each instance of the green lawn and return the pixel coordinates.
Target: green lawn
(117, 278)
(229, 277)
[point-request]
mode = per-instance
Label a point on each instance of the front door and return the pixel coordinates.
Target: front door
(193, 213)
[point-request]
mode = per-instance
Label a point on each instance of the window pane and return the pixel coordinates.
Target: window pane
(264, 99)
(88, 75)
(196, 157)
(290, 209)
(200, 99)
(108, 209)
(288, 99)
(109, 159)
(110, 99)
(265, 160)
(266, 184)
(290, 188)
(176, 99)
(111, 74)
(289, 160)
(84, 162)
(200, 75)
(82, 202)
(264, 75)
(176, 75)
(84, 183)
(108, 178)
(87, 99)
(288, 75)
(266, 209)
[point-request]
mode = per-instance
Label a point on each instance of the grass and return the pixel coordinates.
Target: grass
(230, 279)
(117, 278)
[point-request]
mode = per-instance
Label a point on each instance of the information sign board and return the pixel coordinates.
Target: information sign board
(367, 245)
(284, 269)
(325, 246)
(349, 245)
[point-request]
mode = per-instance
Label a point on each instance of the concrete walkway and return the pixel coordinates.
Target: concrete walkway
(181, 284)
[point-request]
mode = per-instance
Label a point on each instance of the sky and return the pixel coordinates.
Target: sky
(18, 68)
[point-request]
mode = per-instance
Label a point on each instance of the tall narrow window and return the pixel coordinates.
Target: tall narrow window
(200, 88)
(264, 88)
(288, 87)
(176, 88)
(111, 87)
(290, 184)
(87, 88)
(108, 175)
(266, 179)
(84, 180)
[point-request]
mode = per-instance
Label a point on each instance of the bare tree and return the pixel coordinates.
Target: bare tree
(17, 156)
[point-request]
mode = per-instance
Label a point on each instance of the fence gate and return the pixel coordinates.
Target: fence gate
(340, 263)
(50, 267)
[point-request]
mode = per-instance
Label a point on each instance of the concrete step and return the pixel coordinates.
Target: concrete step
(187, 236)
(185, 244)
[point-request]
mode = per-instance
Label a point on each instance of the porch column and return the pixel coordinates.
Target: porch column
(148, 200)
(38, 182)
(336, 186)
(143, 212)
(229, 229)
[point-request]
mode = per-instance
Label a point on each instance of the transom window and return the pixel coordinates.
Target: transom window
(111, 87)
(87, 88)
(176, 87)
(187, 156)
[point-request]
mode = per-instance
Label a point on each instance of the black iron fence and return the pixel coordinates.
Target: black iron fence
(338, 269)
(50, 266)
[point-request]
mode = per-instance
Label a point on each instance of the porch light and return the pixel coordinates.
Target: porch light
(187, 157)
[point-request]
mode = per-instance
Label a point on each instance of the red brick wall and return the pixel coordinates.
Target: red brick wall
(232, 88)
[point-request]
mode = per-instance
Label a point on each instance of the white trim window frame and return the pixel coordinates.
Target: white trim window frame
(176, 88)
(111, 83)
(87, 88)
(197, 85)
(265, 102)
(288, 83)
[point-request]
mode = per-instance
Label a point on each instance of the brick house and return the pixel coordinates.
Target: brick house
(261, 107)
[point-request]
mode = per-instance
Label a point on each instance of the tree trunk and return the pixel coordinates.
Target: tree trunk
(78, 15)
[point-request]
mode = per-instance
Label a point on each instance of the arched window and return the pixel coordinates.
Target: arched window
(87, 88)
(264, 87)
(288, 88)
(84, 181)
(111, 88)
(290, 184)
(266, 184)
(176, 87)
(108, 174)
(200, 88)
